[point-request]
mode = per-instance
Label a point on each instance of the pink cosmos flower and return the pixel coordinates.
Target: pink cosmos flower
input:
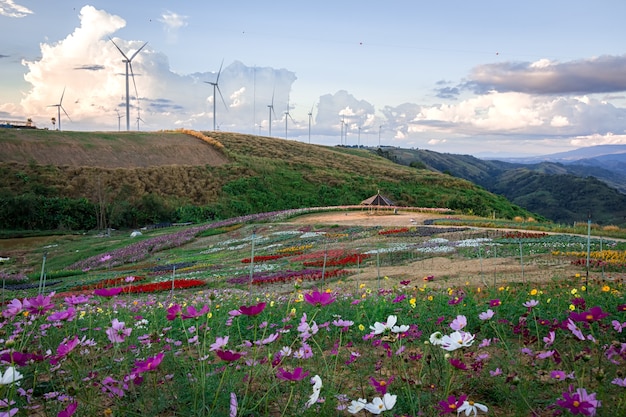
(118, 331)
(486, 315)
(64, 348)
(220, 342)
(149, 364)
(69, 410)
(458, 364)
(459, 322)
(173, 312)
(530, 304)
(38, 305)
(75, 300)
(252, 310)
(192, 313)
(68, 315)
(228, 355)
(107, 292)
(495, 303)
(620, 382)
(496, 372)
(575, 330)
(549, 339)
(319, 299)
(579, 402)
(14, 308)
(382, 385)
(594, 314)
(618, 326)
(297, 375)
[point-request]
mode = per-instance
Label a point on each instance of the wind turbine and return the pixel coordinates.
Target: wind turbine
(119, 118)
(217, 87)
(128, 62)
(287, 117)
(59, 107)
(271, 107)
(310, 117)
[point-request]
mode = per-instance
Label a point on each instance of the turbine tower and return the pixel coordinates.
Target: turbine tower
(119, 118)
(128, 62)
(59, 108)
(217, 87)
(271, 110)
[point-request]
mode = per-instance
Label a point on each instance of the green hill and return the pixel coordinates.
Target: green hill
(84, 180)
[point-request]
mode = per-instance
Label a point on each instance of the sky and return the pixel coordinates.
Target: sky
(486, 78)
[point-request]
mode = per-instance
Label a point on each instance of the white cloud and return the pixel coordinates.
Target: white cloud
(9, 9)
(173, 21)
(593, 140)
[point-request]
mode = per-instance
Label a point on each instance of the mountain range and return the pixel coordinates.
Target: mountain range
(564, 187)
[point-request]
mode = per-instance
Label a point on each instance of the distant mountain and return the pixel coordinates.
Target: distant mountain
(562, 192)
(611, 152)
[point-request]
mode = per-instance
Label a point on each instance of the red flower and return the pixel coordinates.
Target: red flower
(252, 310)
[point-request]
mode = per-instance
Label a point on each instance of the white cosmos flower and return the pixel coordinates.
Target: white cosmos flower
(436, 338)
(357, 405)
(400, 329)
(378, 405)
(379, 328)
(457, 340)
(317, 387)
(10, 376)
(471, 407)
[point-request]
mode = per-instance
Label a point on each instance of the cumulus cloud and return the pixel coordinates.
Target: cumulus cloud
(9, 9)
(173, 21)
(604, 74)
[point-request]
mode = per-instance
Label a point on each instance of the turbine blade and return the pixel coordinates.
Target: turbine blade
(68, 116)
(62, 94)
(137, 51)
(220, 91)
(118, 48)
(219, 72)
(132, 74)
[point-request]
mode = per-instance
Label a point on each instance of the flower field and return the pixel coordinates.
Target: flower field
(279, 319)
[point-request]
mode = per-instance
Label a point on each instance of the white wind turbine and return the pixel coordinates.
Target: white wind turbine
(287, 117)
(59, 108)
(310, 117)
(271, 110)
(128, 62)
(217, 87)
(119, 118)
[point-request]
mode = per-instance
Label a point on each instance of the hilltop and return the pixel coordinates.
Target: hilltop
(86, 180)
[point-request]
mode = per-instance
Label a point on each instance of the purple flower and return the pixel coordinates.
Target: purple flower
(561, 375)
(228, 355)
(252, 310)
(64, 348)
(220, 342)
(495, 302)
(319, 299)
(38, 305)
(575, 330)
(75, 300)
(486, 315)
(530, 304)
(118, 331)
(458, 364)
(14, 308)
(621, 382)
(399, 298)
(173, 312)
(496, 372)
(458, 323)
(296, 375)
(382, 385)
(62, 315)
(579, 402)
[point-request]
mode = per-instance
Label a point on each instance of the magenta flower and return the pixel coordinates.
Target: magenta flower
(458, 364)
(173, 312)
(319, 299)
(621, 307)
(594, 314)
(296, 375)
(451, 405)
(149, 364)
(69, 410)
(252, 310)
(19, 358)
(192, 313)
(75, 300)
(64, 348)
(579, 402)
(38, 305)
(62, 315)
(380, 386)
(455, 301)
(495, 302)
(405, 282)
(118, 331)
(107, 292)
(228, 355)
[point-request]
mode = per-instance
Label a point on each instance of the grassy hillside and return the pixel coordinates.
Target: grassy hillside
(561, 193)
(190, 180)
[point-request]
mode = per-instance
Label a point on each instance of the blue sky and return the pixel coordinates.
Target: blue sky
(481, 78)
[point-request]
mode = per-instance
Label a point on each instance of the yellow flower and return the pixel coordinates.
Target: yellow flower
(534, 291)
(450, 291)
(572, 307)
(293, 311)
(209, 315)
(361, 286)
(25, 313)
(466, 283)
(272, 303)
(386, 277)
(574, 291)
(430, 298)
(361, 327)
(478, 289)
(501, 289)
(606, 288)
(368, 291)
(583, 288)
(577, 275)
(328, 291)
(548, 300)
(108, 412)
(99, 310)
(217, 306)
(412, 302)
